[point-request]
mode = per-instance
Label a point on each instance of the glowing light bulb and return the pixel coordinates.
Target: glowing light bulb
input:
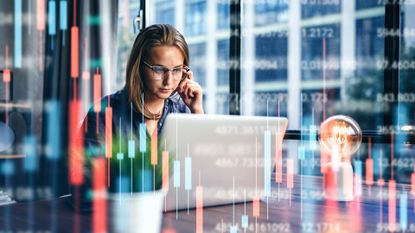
(340, 136)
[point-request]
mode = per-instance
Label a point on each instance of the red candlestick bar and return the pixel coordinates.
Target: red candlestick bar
(154, 151)
(74, 52)
(97, 92)
(392, 205)
(76, 156)
(99, 202)
(199, 209)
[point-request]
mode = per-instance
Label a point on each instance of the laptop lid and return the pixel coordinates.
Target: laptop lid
(223, 155)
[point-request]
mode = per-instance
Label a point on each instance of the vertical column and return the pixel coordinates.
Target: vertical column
(150, 16)
(347, 44)
(294, 61)
(211, 58)
(248, 59)
(109, 46)
(294, 69)
(179, 8)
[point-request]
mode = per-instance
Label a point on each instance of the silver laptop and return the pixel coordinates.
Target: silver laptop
(222, 154)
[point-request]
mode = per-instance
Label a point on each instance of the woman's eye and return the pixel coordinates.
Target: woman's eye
(159, 69)
(177, 70)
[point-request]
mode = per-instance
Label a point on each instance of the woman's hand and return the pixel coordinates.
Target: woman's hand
(191, 93)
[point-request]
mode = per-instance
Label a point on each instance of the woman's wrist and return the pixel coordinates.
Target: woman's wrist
(198, 110)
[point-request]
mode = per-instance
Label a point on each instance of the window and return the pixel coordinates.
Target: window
(319, 8)
(196, 20)
(268, 12)
(223, 63)
(223, 12)
(270, 56)
(165, 11)
(197, 63)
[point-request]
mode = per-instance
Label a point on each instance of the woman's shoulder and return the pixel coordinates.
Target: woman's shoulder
(114, 100)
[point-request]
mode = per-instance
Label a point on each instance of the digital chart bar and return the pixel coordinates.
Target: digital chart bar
(131, 149)
(176, 173)
(358, 177)
(143, 137)
(188, 173)
(53, 111)
(165, 171)
(403, 211)
(63, 12)
(97, 91)
(76, 156)
(18, 33)
(31, 160)
(199, 209)
(267, 163)
(392, 205)
(154, 148)
(99, 219)
(52, 18)
(108, 132)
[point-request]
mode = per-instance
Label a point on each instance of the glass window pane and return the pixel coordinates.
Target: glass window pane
(223, 12)
(271, 12)
(196, 20)
(319, 8)
(270, 56)
(369, 4)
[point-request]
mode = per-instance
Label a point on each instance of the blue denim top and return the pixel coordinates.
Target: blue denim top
(125, 118)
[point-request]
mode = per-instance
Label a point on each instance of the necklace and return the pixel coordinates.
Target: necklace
(152, 116)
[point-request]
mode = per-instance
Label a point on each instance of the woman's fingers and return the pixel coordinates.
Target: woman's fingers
(192, 89)
(189, 77)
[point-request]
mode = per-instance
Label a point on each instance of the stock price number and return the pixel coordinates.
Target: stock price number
(320, 227)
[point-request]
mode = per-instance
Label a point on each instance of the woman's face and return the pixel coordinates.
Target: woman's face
(169, 57)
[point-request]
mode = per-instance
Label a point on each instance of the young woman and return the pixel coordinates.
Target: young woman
(158, 82)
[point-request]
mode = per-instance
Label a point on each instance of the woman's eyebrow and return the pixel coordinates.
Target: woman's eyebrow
(177, 66)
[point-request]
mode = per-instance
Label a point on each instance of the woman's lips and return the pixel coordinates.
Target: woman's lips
(164, 90)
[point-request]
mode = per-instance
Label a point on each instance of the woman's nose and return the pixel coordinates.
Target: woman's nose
(168, 78)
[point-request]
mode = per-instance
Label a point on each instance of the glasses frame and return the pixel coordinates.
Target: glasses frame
(166, 70)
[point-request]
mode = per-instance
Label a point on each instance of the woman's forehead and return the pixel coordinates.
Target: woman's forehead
(166, 54)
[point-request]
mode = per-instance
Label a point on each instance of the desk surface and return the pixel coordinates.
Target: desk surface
(286, 212)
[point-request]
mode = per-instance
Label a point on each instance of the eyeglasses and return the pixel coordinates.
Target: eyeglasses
(161, 71)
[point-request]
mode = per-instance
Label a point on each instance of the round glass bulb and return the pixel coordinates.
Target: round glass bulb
(340, 135)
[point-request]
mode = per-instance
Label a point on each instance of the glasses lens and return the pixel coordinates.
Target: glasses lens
(160, 70)
(177, 72)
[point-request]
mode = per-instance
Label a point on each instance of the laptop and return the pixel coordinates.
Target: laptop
(222, 156)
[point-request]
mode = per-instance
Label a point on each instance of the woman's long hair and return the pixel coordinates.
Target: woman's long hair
(150, 37)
